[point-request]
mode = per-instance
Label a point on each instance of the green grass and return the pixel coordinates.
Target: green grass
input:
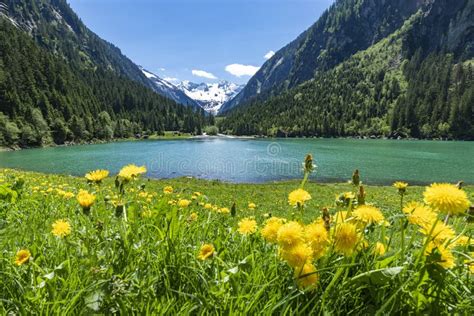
(148, 263)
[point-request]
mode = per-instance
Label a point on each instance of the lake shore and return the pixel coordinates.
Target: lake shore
(184, 136)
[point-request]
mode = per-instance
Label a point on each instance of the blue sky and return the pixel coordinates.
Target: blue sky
(199, 40)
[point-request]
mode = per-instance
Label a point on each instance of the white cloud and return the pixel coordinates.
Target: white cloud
(239, 70)
(203, 74)
(269, 55)
(162, 69)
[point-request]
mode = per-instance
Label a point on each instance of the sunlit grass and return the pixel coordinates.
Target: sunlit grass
(138, 247)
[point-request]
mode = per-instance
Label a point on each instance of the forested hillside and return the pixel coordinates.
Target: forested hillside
(417, 82)
(347, 27)
(56, 27)
(46, 98)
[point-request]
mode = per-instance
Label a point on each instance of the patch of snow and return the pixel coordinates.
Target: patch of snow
(211, 96)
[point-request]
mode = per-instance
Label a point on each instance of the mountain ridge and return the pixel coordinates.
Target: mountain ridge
(210, 96)
(346, 27)
(416, 82)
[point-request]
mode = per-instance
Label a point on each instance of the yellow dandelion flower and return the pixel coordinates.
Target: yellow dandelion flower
(340, 217)
(446, 198)
(97, 176)
(22, 257)
(223, 210)
(290, 234)
(208, 206)
(419, 214)
(61, 228)
(85, 199)
(463, 240)
(298, 197)
(131, 172)
(270, 230)
(368, 215)
(440, 233)
(345, 198)
(317, 237)
(193, 217)
(247, 226)
(143, 195)
(306, 276)
(68, 195)
(297, 255)
(379, 249)
(183, 203)
(252, 206)
(197, 193)
(346, 238)
(401, 186)
(443, 256)
(206, 251)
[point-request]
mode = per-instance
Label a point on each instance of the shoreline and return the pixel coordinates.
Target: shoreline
(219, 136)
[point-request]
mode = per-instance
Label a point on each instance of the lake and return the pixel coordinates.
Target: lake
(261, 160)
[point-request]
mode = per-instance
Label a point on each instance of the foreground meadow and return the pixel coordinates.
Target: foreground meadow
(125, 244)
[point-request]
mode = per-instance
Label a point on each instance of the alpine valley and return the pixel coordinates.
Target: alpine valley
(209, 96)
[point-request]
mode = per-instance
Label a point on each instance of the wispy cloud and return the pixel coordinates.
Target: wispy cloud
(240, 70)
(203, 74)
(269, 55)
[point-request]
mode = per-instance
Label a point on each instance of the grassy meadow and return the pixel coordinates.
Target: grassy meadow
(128, 245)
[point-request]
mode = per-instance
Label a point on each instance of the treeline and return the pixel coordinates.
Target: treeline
(44, 99)
(434, 98)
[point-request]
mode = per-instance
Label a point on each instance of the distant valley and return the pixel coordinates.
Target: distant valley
(209, 96)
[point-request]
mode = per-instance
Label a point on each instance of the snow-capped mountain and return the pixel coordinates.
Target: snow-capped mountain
(169, 90)
(211, 96)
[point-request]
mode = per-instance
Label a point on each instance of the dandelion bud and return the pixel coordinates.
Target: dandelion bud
(119, 210)
(233, 210)
(356, 177)
(361, 196)
(308, 163)
(326, 218)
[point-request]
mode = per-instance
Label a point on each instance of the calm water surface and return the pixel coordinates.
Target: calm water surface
(250, 160)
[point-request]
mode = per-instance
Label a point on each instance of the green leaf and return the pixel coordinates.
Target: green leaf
(378, 277)
(94, 300)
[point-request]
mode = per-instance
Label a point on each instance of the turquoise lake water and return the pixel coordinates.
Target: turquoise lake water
(262, 160)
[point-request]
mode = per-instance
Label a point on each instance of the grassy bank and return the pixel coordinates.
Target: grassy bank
(147, 257)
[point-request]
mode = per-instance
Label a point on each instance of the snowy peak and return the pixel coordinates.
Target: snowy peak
(211, 96)
(168, 89)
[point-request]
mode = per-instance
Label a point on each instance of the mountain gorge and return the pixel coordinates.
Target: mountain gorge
(368, 68)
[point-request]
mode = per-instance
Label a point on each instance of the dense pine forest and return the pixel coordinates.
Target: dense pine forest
(44, 99)
(437, 102)
(417, 82)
